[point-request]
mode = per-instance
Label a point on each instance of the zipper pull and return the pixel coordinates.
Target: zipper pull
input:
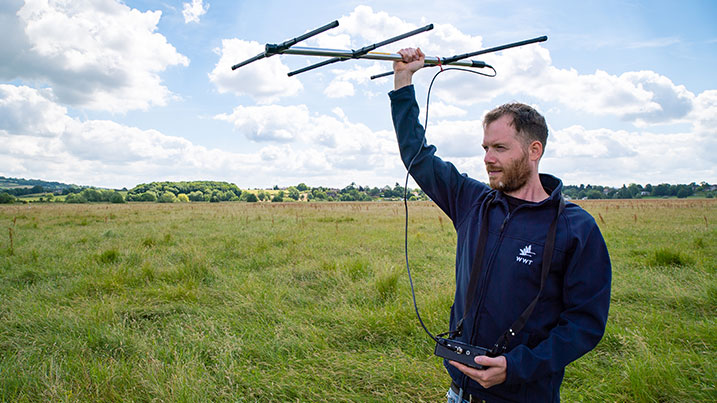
(505, 221)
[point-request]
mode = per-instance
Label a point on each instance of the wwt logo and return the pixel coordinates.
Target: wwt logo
(525, 255)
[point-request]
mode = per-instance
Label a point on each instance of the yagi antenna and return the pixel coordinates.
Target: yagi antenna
(339, 55)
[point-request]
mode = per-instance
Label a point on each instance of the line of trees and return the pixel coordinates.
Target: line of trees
(353, 192)
(40, 189)
(20, 184)
(214, 191)
(636, 191)
(92, 195)
(86, 195)
(170, 192)
(37, 189)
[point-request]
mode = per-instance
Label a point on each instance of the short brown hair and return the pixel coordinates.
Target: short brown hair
(528, 123)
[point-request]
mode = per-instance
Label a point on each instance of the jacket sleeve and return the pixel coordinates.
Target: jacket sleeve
(586, 300)
(439, 179)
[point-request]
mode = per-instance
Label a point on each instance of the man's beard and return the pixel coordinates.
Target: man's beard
(513, 176)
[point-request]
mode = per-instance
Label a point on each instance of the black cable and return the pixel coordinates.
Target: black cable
(405, 188)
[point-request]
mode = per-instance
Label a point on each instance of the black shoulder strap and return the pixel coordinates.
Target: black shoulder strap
(475, 269)
(477, 263)
(502, 344)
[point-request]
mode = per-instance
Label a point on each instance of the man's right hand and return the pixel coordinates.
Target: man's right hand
(413, 60)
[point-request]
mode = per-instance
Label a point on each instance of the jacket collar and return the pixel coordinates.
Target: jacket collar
(552, 185)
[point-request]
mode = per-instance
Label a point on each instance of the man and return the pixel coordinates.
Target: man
(515, 212)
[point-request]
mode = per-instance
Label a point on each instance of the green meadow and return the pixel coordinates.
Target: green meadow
(310, 302)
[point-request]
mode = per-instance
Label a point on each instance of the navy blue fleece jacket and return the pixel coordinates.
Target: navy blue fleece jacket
(572, 311)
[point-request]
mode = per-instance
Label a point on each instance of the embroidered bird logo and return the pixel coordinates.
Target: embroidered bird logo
(527, 251)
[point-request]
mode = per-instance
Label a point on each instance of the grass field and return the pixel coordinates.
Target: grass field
(310, 302)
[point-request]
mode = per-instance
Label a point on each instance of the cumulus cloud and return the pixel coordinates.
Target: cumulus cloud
(704, 115)
(21, 107)
(330, 147)
(269, 123)
(457, 138)
(363, 27)
(40, 140)
(704, 119)
(598, 156)
(192, 11)
(616, 157)
(642, 98)
(442, 110)
(342, 85)
(100, 55)
(265, 80)
(339, 88)
(336, 135)
(577, 142)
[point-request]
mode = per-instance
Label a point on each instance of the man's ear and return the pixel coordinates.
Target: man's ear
(535, 150)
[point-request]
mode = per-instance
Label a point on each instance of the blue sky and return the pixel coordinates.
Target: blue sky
(114, 94)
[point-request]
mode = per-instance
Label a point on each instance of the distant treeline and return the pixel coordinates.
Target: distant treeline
(23, 184)
(211, 191)
(215, 191)
(37, 189)
(635, 191)
(170, 192)
(207, 191)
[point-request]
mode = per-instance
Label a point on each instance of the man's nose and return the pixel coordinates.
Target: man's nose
(489, 157)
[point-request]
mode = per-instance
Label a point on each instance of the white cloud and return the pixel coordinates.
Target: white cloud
(362, 23)
(641, 97)
(364, 27)
(457, 138)
(339, 89)
(265, 80)
(704, 115)
(339, 113)
(704, 119)
(97, 151)
(439, 110)
(578, 142)
(598, 156)
(329, 147)
(286, 124)
(616, 157)
(40, 140)
(21, 107)
(192, 11)
(99, 55)
(342, 84)
(269, 123)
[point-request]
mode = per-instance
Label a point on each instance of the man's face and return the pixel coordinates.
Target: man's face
(506, 157)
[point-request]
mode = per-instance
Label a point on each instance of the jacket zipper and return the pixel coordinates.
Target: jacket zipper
(485, 278)
(487, 272)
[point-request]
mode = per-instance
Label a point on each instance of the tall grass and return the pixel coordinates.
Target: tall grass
(310, 302)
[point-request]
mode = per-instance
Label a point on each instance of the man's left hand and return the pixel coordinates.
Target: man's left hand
(492, 375)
